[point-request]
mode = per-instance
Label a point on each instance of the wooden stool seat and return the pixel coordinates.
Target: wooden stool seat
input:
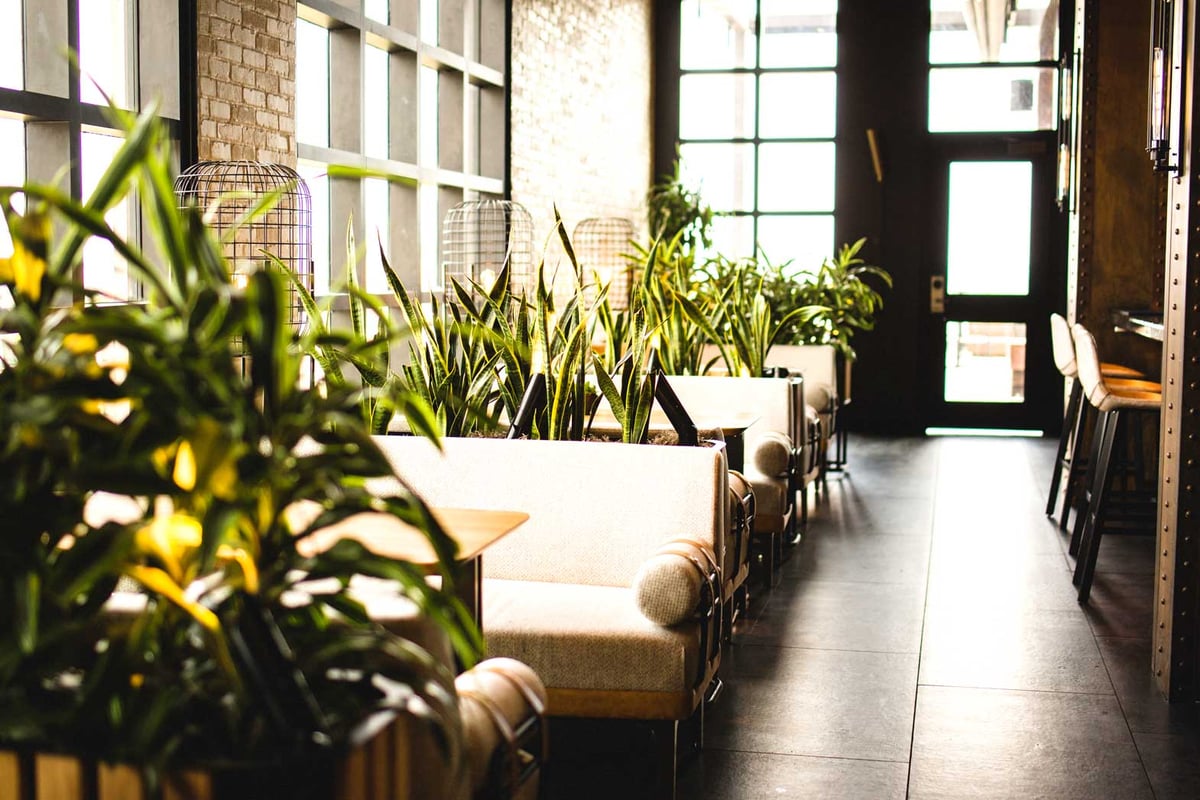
(1109, 370)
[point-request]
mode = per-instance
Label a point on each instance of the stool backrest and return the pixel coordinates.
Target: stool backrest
(1088, 362)
(1063, 347)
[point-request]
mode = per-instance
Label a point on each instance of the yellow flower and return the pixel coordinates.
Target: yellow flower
(160, 582)
(207, 460)
(168, 537)
(185, 467)
(28, 270)
(25, 269)
(162, 457)
(80, 344)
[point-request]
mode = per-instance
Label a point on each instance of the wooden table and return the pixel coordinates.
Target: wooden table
(474, 530)
(732, 427)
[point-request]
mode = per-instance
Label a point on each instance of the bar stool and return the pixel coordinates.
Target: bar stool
(1075, 419)
(1113, 404)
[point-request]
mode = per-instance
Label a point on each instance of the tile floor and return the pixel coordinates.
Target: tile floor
(925, 642)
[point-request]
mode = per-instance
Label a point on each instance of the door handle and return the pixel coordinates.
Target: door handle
(937, 294)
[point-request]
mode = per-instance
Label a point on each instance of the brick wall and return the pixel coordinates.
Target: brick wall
(581, 109)
(246, 80)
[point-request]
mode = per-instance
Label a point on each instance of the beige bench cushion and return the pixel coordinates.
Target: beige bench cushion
(587, 637)
(597, 511)
(770, 493)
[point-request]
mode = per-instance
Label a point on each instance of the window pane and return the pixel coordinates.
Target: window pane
(987, 250)
(985, 362)
(699, 95)
(318, 188)
(795, 177)
(12, 170)
(732, 237)
(964, 33)
(376, 10)
(798, 105)
(996, 99)
(805, 241)
(375, 105)
(103, 269)
(375, 219)
(312, 83)
(431, 273)
(427, 99)
(102, 51)
(12, 71)
(716, 34)
(799, 34)
(429, 21)
(722, 173)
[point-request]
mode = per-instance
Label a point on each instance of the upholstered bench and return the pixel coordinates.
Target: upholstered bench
(818, 364)
(779, 463)
(611, 590)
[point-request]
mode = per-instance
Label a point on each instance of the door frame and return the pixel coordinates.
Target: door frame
(1041, 409)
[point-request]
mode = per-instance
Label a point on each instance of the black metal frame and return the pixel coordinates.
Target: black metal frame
(668, 74)
(77, 114)
(667, 400)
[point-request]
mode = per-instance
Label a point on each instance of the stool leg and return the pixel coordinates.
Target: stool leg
(1077, 464)
(1063, 440)
(1089, 548)
(1083, 502)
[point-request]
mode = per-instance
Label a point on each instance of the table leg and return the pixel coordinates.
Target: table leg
(469, 587)
(735, 450)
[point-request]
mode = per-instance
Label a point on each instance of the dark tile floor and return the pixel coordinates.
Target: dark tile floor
(925, 642)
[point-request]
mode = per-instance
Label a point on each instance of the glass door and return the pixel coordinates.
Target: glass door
(993, 112)
(989, 298)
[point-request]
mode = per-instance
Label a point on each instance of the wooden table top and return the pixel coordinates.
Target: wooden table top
(473, 529)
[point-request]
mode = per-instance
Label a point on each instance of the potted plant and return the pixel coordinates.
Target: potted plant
(839, 285)
(188, 407)
(676, 211)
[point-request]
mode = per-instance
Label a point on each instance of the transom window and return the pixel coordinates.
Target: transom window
(993, 65)
(758, 122)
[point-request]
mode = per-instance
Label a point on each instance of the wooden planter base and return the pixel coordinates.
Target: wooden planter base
(381, 768)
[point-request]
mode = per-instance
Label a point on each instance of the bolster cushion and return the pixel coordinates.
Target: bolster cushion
(772, 454)
(820, 396)
(670, 584)
(496, 698)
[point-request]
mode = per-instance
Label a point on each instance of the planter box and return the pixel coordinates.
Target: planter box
(379, 768)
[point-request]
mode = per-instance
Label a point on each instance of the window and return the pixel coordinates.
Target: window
(128, 51)
(412, 90)
(758, 123)
(992, 66)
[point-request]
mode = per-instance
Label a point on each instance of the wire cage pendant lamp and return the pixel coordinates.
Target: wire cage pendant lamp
(603, 245)
(226, 191)
(480, 238)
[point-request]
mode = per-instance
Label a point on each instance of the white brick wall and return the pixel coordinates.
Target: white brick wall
(581, 110)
